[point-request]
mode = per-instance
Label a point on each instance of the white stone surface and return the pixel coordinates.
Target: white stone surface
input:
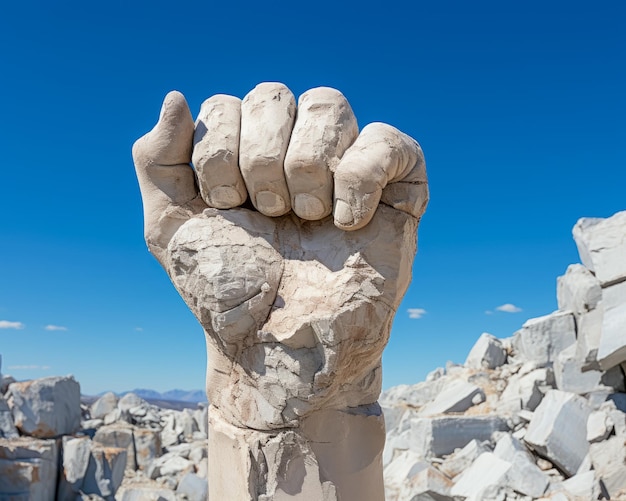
(440, 436)
(569, 374)
(602, 246)
(487, 470)
(46, 407)
(90, 468)
(104, 405)
(578, 290)
(609, 462)
(7, 426)
(524, 476)
(195, 488)
(541, 339)
(612, 348)
(28, 469)
(457, 396)
(525, 391)
(488, 353)
(584, 485)
(599, 426)
(558, 429)
(118, 435)
(461, 459)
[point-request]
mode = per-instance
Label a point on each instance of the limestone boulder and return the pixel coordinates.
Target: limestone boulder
(558, 430)
(7, 426)
(119, 436)
(90, 468)
(46, 407)
(602, 246)
(541, 339)
(612, 347)
(28, 469)
(487, 470)
(456, 396)
(104, 405)
(461, 459)
(525, 390)
(609, 462)
(578, 291)
(147, 446)
(440, 436)
(193, 487)
(487, 353)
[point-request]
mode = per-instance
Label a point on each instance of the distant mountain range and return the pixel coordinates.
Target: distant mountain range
(193, 396)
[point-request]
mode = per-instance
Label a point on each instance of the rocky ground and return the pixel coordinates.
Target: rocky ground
(539, 415)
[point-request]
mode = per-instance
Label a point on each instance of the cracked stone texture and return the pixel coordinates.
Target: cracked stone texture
(296, 289)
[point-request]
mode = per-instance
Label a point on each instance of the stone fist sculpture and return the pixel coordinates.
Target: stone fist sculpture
(291, 238)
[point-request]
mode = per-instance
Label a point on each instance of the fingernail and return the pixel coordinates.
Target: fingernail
(270, 204)
(308, 206)
(343, 213)
(224, 197)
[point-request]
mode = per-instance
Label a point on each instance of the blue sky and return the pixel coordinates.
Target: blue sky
(519, 106)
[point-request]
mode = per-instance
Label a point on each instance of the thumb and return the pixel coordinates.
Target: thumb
(162, 161)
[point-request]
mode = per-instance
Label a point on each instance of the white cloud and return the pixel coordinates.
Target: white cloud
(416, 312)
(28, 367)
(5, 324)
(509, 308)
(139, 329)
(51, 327)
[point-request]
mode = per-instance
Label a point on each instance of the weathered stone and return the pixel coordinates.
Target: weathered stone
(569, 375)
(558, 430)
(7, 426)
(141, 489)
(147, 446)
(193, 486)
(131, 401)
(90, 468)
(525, 391)
(46, 407)
(583, 485)
(612, 348)
(104, 405)
(599, 426)
(487, 353)
(426, 484)
(456, 396)
(440, 436)
(201, 417)
(461, 459)
(400, 470)
(296, 310)
(28, 469)
(488, 469)
(589, 332)
(578, 290)
(602, 246)
(609, 462)
(415, 395)
(541, 339)
(524, 476)
(120, 436)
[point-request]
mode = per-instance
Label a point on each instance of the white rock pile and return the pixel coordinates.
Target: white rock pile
(539, 415)
(52, 447)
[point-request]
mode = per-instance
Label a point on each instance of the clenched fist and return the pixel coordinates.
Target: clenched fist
(291, 238)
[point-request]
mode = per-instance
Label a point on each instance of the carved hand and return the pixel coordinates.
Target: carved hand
(297, 293)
